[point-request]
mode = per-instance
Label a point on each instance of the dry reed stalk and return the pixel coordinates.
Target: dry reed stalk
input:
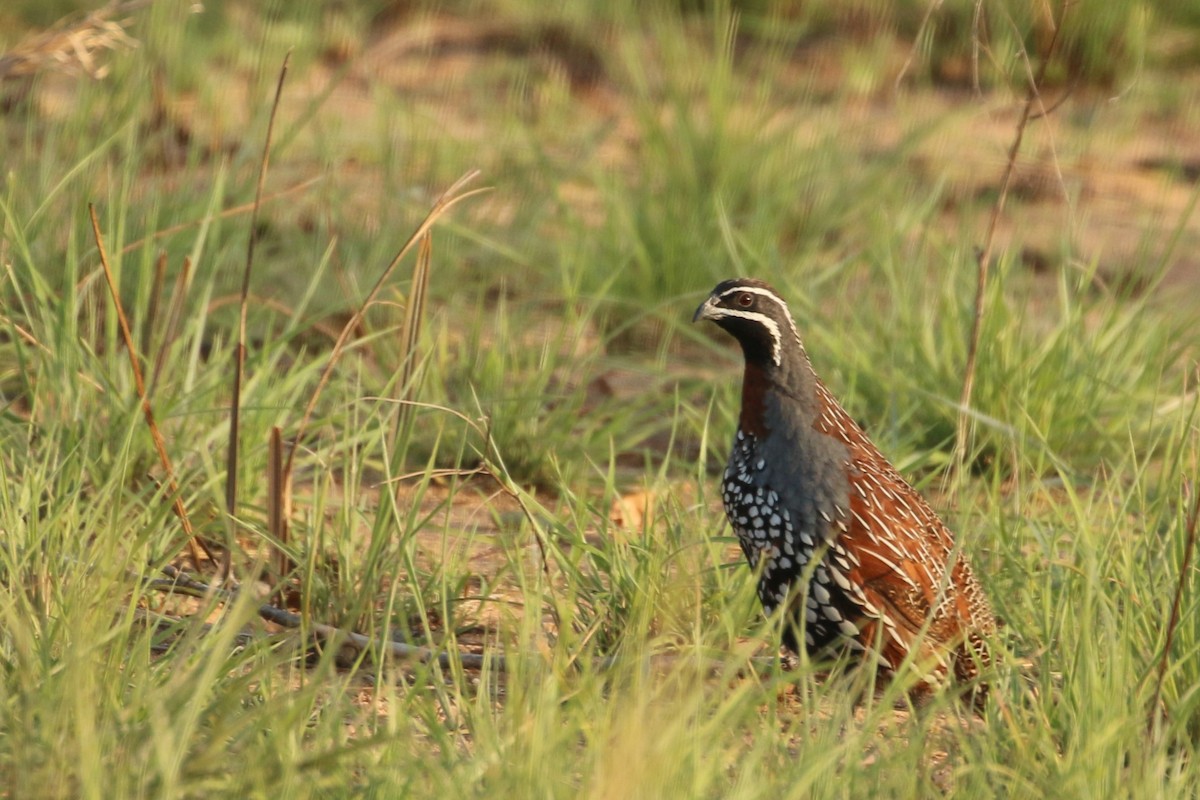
(984, 257)
(279, 502)
(195, 544)
(239, 352)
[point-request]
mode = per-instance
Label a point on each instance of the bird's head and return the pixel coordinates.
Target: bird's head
(754, 314)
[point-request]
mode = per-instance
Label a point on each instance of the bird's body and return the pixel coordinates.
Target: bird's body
(809, 495)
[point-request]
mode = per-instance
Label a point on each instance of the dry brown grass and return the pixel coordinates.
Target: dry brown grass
(74, 46)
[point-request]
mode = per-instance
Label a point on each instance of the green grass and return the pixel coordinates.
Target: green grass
(557, 348)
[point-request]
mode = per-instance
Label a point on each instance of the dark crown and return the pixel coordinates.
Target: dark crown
(754, 314)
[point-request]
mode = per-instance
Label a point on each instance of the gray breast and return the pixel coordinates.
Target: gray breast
(783, 514)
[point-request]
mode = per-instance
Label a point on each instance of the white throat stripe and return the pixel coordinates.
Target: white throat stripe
(768, 323)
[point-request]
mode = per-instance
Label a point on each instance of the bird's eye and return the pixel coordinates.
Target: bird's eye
(745, 300)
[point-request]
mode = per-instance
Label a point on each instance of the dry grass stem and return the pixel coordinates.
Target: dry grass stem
(410, 333)
(1185, 568)
(73, 47)
(450, 198)
(239, 353)
(195, 545)
(279, 502)
(983, 260)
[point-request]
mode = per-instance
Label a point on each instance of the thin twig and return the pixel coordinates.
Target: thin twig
(933, 6)
(977, 22)
(1045, 111)
(195, 544)
(985, 253)
(239, 352)
(1057, 104)
(180, 583)
(1189, 548)
(168, 627)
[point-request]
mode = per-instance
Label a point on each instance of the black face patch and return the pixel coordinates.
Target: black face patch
(757, 340)
(754, 314)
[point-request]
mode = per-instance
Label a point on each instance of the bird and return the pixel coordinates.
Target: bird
(843, 545)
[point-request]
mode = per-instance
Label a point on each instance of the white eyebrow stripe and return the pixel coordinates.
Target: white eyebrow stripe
(753, 290)
(769, 294)
(768, 323)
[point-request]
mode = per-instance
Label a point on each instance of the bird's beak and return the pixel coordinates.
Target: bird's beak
(707, 310)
